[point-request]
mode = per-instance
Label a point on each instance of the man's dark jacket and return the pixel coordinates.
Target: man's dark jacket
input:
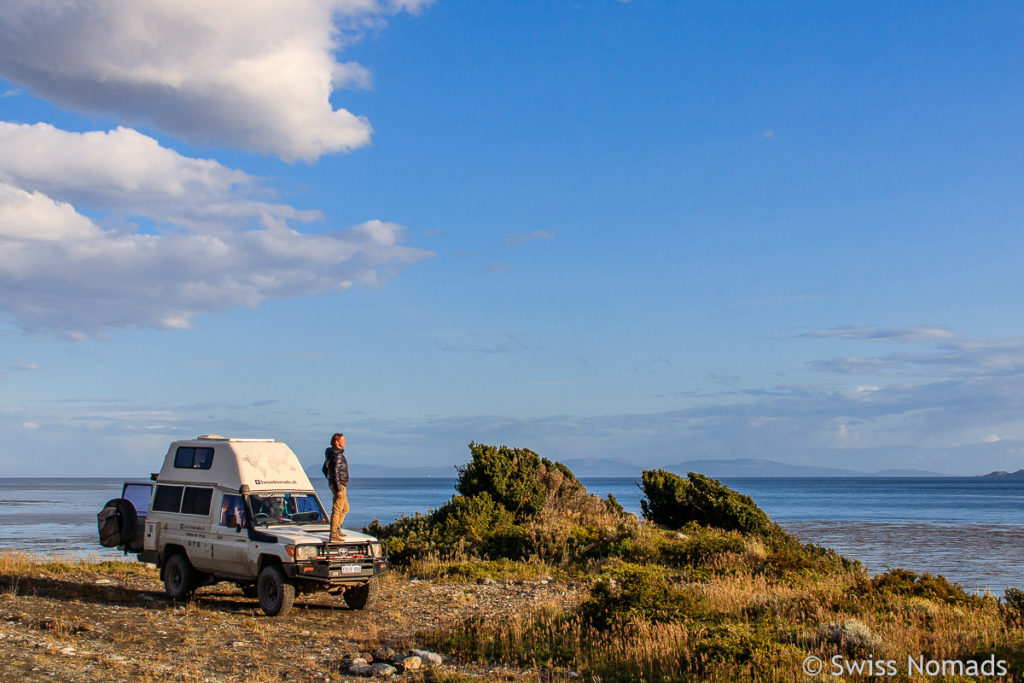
(336, 468)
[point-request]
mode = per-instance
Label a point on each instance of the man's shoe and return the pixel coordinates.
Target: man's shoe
(336, 539)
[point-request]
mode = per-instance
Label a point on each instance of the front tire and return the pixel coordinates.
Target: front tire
(363, 596)
(275, 592)
(180, 578)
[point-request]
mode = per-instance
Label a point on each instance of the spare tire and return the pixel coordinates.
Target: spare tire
(116, 522)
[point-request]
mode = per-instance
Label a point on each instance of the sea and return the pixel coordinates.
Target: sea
(969, 530)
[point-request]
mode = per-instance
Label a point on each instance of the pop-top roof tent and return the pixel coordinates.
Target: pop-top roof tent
(260, 464)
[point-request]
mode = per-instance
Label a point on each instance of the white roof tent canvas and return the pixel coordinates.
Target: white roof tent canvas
(260, 464)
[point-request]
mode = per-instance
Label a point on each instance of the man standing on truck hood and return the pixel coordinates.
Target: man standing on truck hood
(336, 471)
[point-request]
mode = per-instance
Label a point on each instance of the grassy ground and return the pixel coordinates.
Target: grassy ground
(755, 612)
(77, 620)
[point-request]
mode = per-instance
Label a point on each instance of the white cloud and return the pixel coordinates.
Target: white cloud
(905, 333)
(217, 245)
(125, 171)
(35, 217)
(254, 74)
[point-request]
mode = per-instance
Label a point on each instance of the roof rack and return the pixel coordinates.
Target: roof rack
(218, 437)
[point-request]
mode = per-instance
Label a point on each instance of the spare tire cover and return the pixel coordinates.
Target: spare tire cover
(116, 522)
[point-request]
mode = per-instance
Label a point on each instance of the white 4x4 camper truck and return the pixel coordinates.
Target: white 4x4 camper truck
(240, 510)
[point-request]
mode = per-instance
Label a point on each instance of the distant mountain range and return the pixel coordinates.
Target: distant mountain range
(1000, 474)
(747, 467)
(616, 467)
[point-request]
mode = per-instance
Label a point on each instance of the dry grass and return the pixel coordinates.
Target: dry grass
(465, 569)
(750, 625)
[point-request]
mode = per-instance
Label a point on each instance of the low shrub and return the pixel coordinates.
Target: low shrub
(851, 635)
(673, 502)
(1011, 607)
(699, 547)
(903, 582)
(628, 591)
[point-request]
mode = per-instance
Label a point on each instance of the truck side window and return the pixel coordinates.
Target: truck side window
(168, 498)
(196, 501)
(193, 458)
(232, 505)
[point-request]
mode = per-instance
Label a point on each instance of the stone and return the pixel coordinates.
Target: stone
(384, 669)
(485, 581)
(353, 662)
(383, 654)
(410, 663)
(429, 658)
(237, 643)
(362, 670)
(68, 651)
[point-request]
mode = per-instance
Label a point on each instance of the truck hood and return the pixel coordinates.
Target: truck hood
(314, 534)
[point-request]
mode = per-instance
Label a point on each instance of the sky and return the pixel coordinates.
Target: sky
(646, 231)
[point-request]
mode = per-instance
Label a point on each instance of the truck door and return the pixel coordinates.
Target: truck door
(229, 538)
(195, 526)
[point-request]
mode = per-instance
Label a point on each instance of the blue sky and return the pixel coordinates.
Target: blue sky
(647, 231)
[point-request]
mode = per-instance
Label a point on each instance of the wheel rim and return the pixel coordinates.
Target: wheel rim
(270, 591)
(177, 576)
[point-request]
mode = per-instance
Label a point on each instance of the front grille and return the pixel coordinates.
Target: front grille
(348, 551)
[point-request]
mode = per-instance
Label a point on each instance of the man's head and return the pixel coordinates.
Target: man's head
(338, 440)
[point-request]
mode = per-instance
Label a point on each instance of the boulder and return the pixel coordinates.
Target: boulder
(362, 670)
(410, 663)
(429, 658)
(384, 669)
(383, 654)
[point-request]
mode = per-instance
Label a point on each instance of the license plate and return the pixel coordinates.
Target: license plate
(351, 569)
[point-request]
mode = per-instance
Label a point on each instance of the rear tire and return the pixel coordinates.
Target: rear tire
(275, 592)
(180, 578)
(363, 596)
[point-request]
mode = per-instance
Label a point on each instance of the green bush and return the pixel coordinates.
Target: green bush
(903, 582)
(1012, 607)
(511, 503)
(699, 546)
(671, 501)
(631, 590)
(508, 475)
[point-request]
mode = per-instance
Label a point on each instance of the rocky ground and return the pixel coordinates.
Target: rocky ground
(116, 624)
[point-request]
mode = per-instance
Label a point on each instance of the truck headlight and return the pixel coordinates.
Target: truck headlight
(376, 549)
(302, 552)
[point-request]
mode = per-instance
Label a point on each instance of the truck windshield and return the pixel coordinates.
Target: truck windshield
(286, 508)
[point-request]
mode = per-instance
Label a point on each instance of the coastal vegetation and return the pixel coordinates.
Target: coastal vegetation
(706, 587)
